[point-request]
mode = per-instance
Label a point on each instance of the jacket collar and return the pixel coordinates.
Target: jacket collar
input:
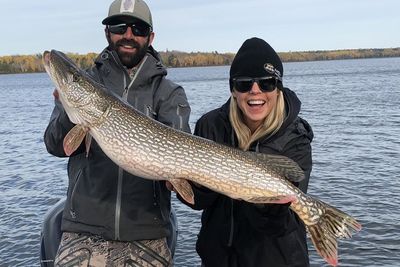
(108, 61)
(292, 106)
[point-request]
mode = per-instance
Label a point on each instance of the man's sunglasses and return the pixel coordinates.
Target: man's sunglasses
(137, 29)
(243, 85)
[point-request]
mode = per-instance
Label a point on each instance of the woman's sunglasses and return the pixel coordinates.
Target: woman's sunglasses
(137, 29)
(243, 85)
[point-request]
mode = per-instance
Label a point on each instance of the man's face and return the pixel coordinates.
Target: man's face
(130, 46)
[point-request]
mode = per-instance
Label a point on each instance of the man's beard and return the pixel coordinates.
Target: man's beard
(130, 60)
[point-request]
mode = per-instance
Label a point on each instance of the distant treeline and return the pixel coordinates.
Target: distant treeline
(33, 63)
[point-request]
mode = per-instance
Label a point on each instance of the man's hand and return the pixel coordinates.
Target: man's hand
(56, 94)
(169, 186)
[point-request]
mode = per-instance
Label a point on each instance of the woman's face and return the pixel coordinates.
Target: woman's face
(255, 105)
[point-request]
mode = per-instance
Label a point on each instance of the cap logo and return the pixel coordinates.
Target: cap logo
(127, 6)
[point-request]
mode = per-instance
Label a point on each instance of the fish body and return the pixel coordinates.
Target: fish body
(149, 149)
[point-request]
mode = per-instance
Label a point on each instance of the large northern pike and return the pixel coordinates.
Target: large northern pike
(147, 148)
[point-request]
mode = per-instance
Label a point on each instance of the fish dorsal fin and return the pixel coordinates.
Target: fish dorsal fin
(283, 199)
(281, 165)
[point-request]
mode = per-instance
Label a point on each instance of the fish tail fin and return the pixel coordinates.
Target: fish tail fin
(332, 225)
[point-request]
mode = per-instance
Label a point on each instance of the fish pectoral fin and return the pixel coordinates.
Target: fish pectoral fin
(273, 200)
(74, 138)
(88, 142)
(184, 189)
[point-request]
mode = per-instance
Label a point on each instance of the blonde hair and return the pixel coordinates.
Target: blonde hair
(270, 126)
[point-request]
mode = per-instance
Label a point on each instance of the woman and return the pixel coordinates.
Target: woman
(260, 116)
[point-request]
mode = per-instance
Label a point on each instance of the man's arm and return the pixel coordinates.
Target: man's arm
(175, 110)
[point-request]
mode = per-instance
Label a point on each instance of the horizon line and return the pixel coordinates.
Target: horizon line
(173, 50)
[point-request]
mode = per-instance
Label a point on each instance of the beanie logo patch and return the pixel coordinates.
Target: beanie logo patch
(127, 6)
(271, 70)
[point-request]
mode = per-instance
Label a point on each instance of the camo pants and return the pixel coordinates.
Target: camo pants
(93, 251)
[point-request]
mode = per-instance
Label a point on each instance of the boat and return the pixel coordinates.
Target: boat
(50, 234)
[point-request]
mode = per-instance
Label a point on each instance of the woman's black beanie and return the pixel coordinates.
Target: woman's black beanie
(256, 58)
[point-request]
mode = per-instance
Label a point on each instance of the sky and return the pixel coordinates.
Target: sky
(31, 27)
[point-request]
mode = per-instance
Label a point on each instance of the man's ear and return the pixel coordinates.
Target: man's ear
(151, 38)
(107, 33)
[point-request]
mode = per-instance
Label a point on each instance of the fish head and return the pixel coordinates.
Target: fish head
(80, 95)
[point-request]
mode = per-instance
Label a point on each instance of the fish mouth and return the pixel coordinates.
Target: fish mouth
(46, 59)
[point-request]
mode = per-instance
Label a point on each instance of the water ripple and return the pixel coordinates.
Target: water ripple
(356, 121)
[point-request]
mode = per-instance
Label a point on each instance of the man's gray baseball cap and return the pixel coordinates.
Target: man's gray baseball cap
(128, 11)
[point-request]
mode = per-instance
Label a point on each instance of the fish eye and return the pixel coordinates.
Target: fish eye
(75, 77)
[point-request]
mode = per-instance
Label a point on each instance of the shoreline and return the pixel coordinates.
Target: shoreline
(176, 59)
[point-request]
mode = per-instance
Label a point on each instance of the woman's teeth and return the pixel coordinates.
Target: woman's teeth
(255, 102)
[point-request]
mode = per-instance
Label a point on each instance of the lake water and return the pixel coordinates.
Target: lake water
(353, 106)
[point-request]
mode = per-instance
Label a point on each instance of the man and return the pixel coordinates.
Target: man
(112, 218)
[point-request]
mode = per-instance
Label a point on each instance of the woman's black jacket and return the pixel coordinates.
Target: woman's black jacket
(238, 233)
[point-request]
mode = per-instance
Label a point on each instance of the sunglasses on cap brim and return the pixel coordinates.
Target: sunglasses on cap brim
(137, 29)
(244, 84)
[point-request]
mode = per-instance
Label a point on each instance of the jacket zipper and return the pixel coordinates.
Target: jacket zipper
(72, 209)
(118, 203)
(178, 112)
(230, 241)
(117, 215)
(118, 200)
(126, 91)
(232, 228)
